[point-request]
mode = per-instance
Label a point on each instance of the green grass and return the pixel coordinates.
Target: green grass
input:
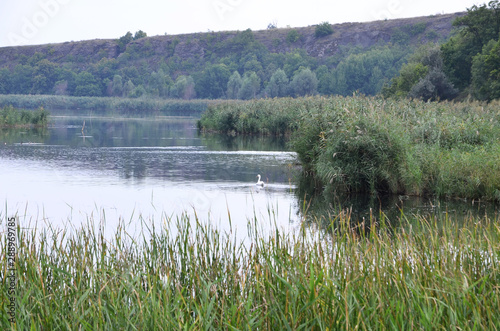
(362, 144)
(421, 275)
(11, 117)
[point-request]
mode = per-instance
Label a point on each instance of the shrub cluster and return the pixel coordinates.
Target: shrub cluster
(13, 117)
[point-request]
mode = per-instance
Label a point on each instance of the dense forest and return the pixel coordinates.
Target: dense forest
(415, 58)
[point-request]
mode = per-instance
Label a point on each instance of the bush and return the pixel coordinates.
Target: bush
(322, 30)
(13, 117)
(293, 36)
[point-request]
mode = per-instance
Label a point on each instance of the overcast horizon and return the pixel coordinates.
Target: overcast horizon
(34, 22)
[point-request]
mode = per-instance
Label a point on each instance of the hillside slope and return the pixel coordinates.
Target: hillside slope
(268, 63)
(197, 45)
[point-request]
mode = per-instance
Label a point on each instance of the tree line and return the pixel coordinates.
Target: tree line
(243, 68)
(467, 65)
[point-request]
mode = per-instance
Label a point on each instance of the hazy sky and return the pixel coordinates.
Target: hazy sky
(25, 22)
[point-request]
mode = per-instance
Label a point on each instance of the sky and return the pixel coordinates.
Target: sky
(29, 22)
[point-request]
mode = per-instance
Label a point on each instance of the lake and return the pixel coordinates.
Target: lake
(88, 169)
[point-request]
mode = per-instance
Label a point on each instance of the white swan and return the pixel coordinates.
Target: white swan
(259, 182)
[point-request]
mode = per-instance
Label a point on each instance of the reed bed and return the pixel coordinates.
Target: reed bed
(126, 106)
(422, 275)
(373, 145)
(11, 117)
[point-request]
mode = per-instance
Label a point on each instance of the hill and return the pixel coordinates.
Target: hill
(201, 64)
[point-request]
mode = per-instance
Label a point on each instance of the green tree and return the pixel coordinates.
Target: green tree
(409, 75)
(250, 86)
(486, 72)
(423, 77)
(128, 88)
(87, 85)
(117, 86)
(138, 92)
(278, 84)
(45, 75)
(159, 83)
(184, 88)
(123, 42)
(304, 83)
(21, 80)
(5, 81)
(297, 59)
(234, 85)
(212, 82)
(140, 34)
(323, 29)
(480, 25)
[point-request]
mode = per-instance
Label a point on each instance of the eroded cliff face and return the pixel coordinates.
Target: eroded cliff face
(200, 45)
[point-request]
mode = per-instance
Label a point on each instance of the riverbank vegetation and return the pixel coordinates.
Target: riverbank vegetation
(373, 145)
(421, 275)
(141, 106)
(11, 117)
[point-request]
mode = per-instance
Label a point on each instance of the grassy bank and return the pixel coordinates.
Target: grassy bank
(428, 276)
(359, 144)
(11, 117)
(120, 105)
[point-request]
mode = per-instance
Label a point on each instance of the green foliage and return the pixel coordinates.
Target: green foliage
(45, 74)
(361, 144)
(422, 78)
(278, 84)
(212, 82)
(304, 83)
(234, 85)
(404, 34)
(409, 75)
(87, 85)
(348, 70)
(364, 72)
(252, 117)
(13, 117)
(368, 145)
(293, 36)
(486, 72)
(323, 29)
(184, 88)
(137, 92)
(124, 41)
(250, 86)
(140, 34)
(477, 29)
(127, 38)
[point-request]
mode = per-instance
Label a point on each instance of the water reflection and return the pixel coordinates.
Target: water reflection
(164, 165)
(84, 166)
(364, 209)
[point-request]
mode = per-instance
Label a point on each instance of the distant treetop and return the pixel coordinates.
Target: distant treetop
(323, 29)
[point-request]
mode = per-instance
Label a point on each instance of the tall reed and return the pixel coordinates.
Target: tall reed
(11, 117)
(362, 144)
(191, 275)
(137, 106)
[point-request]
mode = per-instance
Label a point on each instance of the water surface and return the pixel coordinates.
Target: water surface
(92, 168)
(87, 169)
